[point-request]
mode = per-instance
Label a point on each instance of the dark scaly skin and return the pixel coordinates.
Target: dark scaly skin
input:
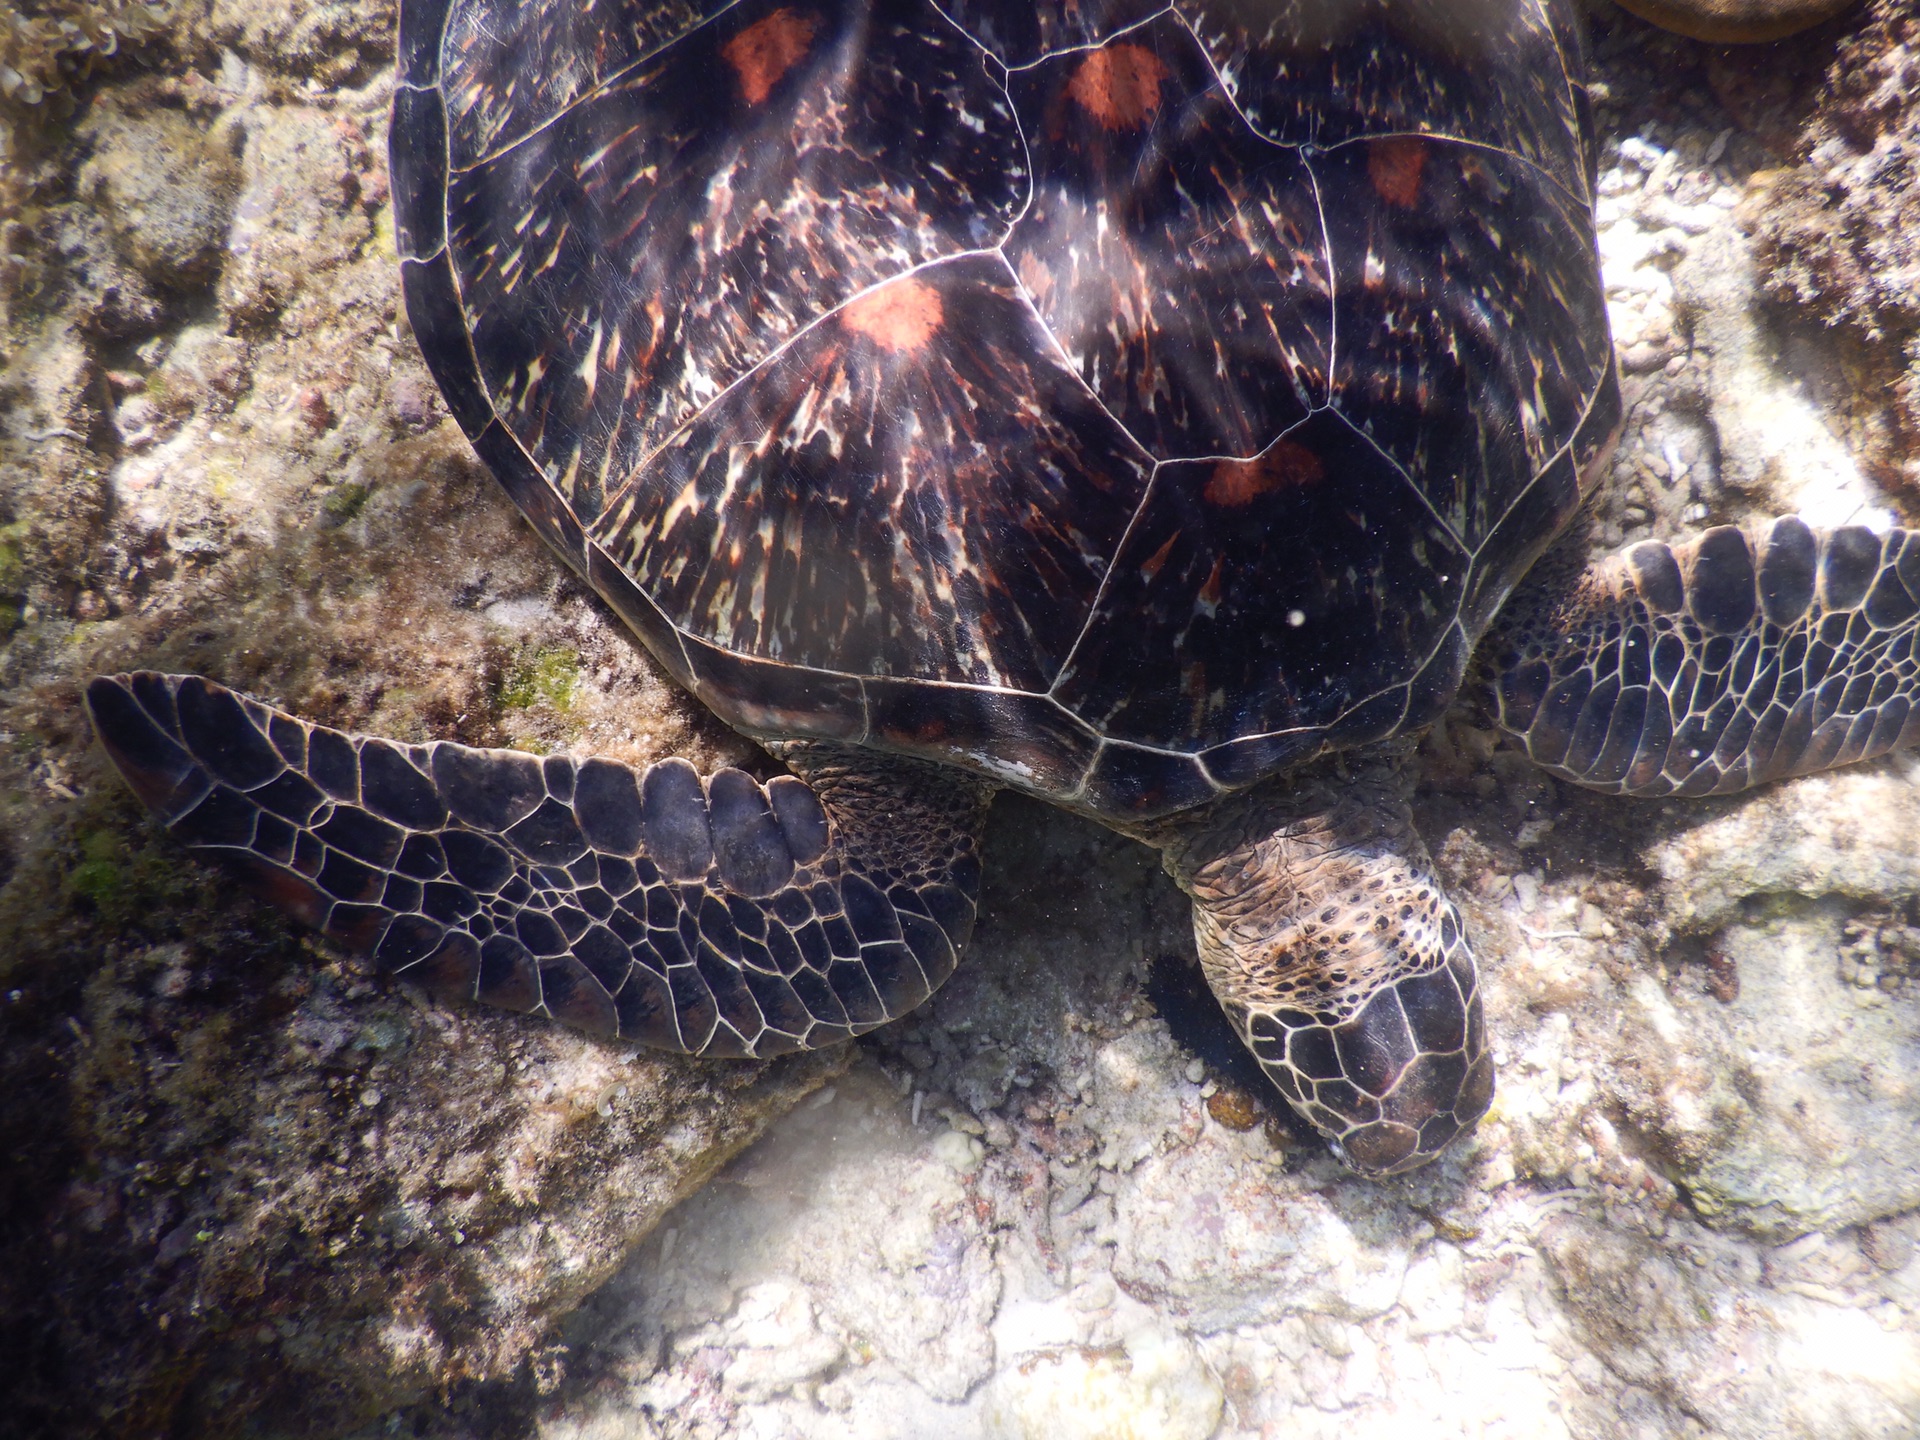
(1716, 663)
(1323, 931)
(712, 918)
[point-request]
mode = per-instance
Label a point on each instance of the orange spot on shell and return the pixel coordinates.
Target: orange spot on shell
(766, 50)
(1155, 562)
(902, 316)
(1395, 166)
(1281, 466)
(1209, 596)
(1119, 86)
(1035, 276)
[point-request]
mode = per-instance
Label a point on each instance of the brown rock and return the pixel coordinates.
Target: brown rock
(1735, 22)
(1234, 1108)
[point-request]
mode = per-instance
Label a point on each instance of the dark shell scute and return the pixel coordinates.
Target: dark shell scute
(1435, 1012)
(802, 107)
(392, 786)
(363, 836)
(333, 763)
(513, 66)
(1375, 1046)
(558, 772)
(1445, 257)
(440, 327)
(1789, 568)
(748, 847)
(223, 737)
(895, 396)
(1020, 34)
(549, 836)
(673, 820)
(490, 790)
(1848, 567)
(290, 739)
(1030, 735)
(935, 447)
(1889, 604)
(606, 802)
(1276, 635)
(1656, 575)
(1722, 594)
(476, 862)
(223, 817)
(418, 174)
(292, 796)
(1328, 73)
(803, 823)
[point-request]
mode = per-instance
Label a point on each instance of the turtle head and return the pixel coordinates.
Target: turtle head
(1392, 1083)
(1325, 936)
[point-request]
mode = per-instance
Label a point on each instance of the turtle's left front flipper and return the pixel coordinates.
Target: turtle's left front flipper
(1721, 662)
(711, 916)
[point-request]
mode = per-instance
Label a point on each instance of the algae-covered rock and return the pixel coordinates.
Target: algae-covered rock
(1156, 1386)
(1837, 236)
(165, 187)
(1831, 834)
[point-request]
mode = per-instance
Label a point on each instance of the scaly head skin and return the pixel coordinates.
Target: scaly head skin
(1326, 937)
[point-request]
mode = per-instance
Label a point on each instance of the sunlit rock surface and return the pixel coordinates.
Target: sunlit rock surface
(251, 1190)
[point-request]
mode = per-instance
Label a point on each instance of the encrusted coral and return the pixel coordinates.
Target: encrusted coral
(46, 47)
(1837, 239)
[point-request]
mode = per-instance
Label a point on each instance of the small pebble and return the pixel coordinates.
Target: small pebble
(960, 1152)
(1233, 1109)
(1526, 889)
(411, 401)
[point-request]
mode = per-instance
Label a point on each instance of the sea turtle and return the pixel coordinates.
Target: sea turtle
(1149, 407)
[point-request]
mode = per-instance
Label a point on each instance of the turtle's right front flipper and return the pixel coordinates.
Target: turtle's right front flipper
(1716, 663)
(714, 917)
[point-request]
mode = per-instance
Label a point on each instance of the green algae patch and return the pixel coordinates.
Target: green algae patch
(546, 676)
(101, 875)
(13, 575)
(386, 243)
(536, 697)
(344, 502)
(121, 883)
